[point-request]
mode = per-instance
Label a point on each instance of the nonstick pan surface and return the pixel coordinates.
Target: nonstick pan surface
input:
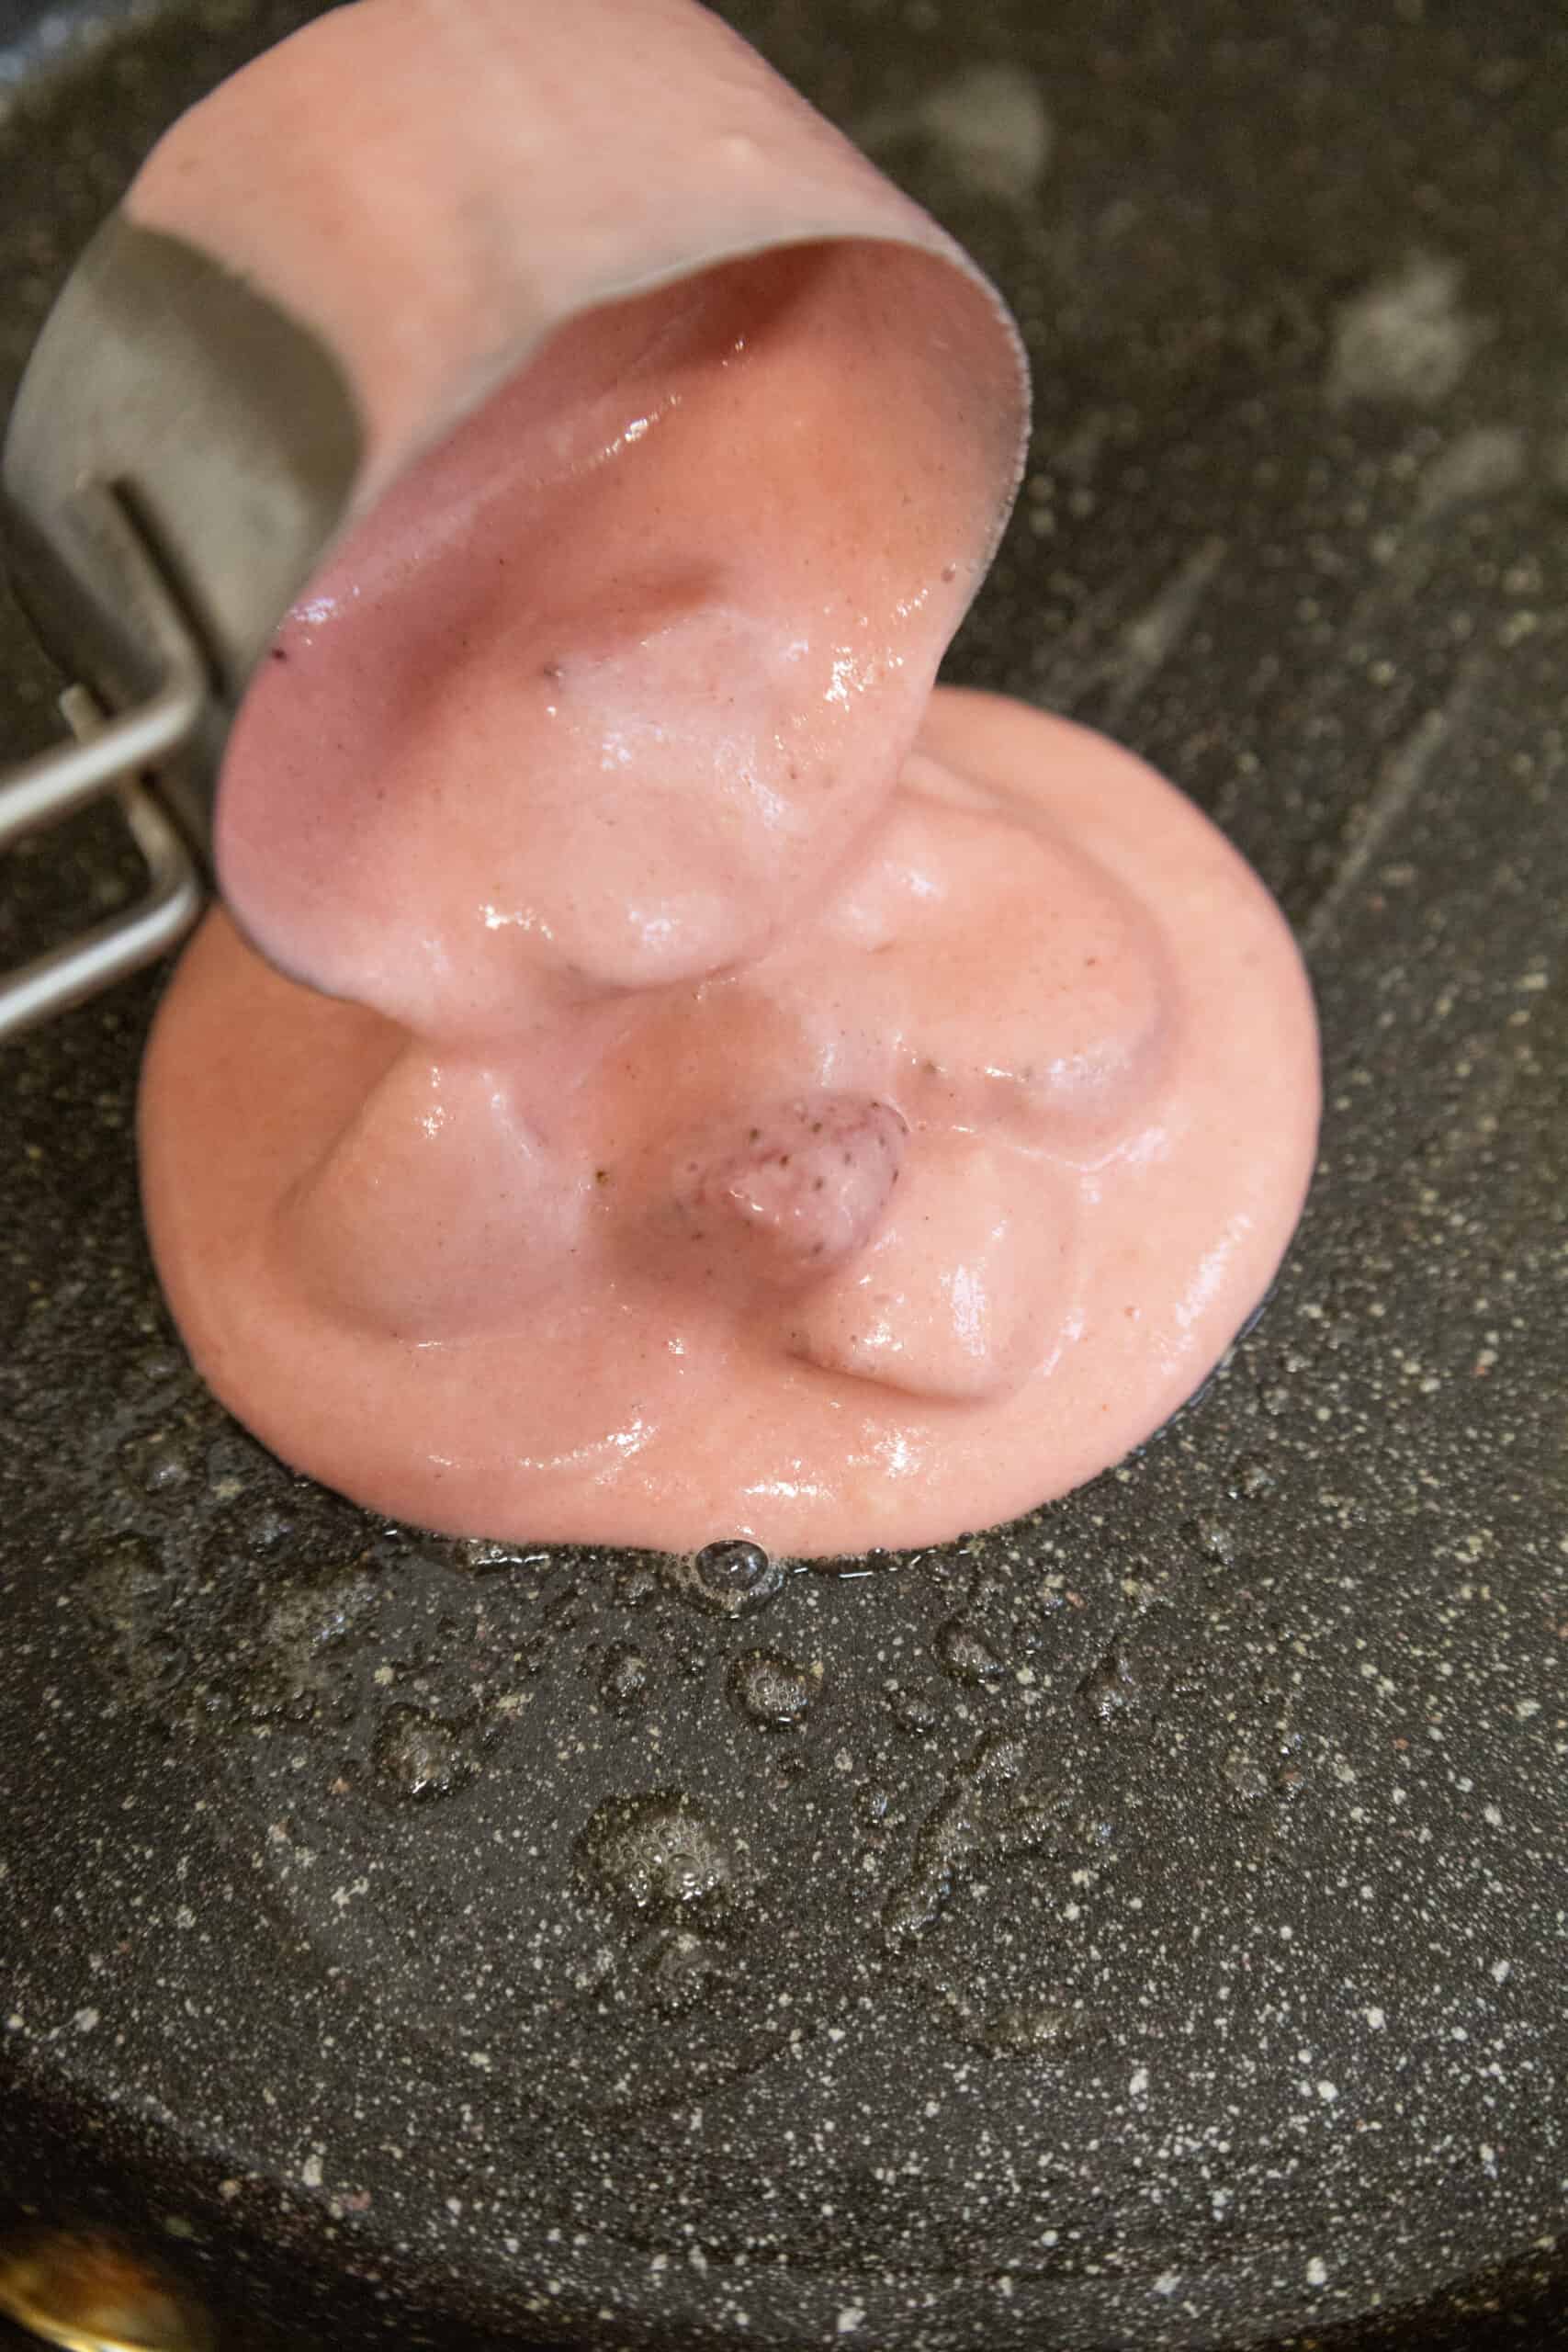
(1149, 1930)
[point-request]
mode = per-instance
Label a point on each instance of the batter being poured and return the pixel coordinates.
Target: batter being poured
(667, 1072)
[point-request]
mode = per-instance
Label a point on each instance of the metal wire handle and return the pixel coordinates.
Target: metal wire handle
(111, 757)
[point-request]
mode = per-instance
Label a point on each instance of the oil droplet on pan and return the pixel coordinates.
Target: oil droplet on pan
(966, 1654)
(623, 1679)
(421, 1756)
(728, 1580)
(662, 1855)
(770, 1691)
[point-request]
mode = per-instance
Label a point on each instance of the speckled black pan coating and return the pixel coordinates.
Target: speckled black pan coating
(1142, 1927)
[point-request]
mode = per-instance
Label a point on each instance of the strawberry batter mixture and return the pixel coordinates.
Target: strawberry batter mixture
(665, 1073)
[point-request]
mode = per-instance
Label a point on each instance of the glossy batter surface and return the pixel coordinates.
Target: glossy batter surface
(755, 1095)
(929, 1213)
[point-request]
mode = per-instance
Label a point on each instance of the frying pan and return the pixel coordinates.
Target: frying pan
(1144, 1926)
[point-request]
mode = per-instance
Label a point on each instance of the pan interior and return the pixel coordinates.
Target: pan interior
(1142, 1924)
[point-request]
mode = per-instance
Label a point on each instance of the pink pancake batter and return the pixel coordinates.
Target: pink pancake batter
(724, 1086)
